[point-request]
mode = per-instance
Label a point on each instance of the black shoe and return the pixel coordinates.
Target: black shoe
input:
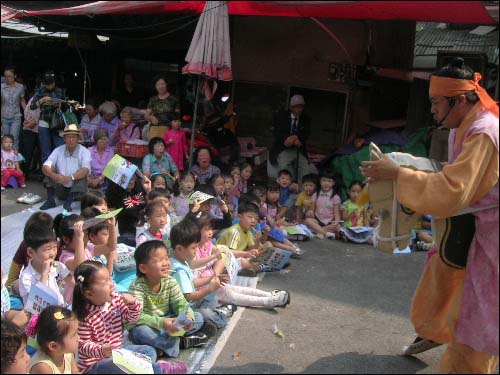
(227, 310)
(247, 273)
(194, 340)
(67, 205)
(49, 203)
(208, 328)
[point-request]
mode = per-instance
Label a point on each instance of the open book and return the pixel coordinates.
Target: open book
(132, 362)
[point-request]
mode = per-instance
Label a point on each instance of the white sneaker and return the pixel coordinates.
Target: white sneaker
(34, 198)
(23, 186)
(280, 298)
(330, 235)
(320, 236)
(22, 198)
(3, 188)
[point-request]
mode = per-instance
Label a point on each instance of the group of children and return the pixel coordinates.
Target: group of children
(178, 292)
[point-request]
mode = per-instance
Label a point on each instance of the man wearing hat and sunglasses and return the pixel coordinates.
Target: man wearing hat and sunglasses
(66, 170)
(47, 98)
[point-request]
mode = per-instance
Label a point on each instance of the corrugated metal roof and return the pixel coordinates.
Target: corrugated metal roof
(428, 41)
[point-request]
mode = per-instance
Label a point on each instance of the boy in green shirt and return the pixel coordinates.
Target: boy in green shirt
(162, 302)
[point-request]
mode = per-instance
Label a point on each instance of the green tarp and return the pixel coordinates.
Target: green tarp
(347, 166)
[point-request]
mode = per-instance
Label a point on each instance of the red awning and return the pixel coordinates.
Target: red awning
(473, 12)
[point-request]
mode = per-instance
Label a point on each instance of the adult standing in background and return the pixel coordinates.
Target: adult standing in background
(48, 98)
(160, 108)
(129, 95)
(291, 129)
(12, 99)
(90, 121)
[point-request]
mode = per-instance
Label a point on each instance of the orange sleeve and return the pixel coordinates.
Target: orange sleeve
(460, 184)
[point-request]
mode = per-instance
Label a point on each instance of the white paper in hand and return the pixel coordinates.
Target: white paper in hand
(132, 362)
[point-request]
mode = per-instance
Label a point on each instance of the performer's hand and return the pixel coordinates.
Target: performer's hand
(383, 169)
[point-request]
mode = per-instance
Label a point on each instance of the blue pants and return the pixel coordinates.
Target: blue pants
(146, 335)
(12, 126)
(48, 140)
(207, 310)
(106, 366)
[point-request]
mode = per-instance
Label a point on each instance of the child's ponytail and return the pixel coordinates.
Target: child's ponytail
(84, 275)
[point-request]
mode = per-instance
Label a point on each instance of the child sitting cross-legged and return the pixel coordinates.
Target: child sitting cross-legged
(354, 216)
(208, 266)
(324, 215)
(162, 302)
(185, 239)
(270, 210)
(56, 332)
(102, 313)
(240, 240)
(305, 200)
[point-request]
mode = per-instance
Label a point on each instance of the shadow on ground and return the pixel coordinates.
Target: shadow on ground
(355, 363)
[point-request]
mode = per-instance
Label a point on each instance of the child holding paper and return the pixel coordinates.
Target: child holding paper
(162, 302)
(102, 312)
(356, 222)
(42, 267)
(56, 332)
(204, 207)
(207, 265)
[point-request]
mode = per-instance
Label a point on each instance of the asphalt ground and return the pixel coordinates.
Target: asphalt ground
(348, 314)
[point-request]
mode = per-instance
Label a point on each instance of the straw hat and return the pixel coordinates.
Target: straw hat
(70, 129)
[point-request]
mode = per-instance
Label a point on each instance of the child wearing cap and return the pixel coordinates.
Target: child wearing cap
(176, 142)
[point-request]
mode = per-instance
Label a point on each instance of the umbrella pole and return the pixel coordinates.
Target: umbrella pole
(193, 126)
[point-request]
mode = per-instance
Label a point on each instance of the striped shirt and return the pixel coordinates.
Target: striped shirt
(104, 325)
(236, 238)
(156, 306)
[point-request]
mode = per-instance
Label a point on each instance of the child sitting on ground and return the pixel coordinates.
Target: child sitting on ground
(217, 184)
(183, 188)
(185, 239)
(207, 265)
(15, 359)
(158, 223)
(240, 240)
(204, 208)
(102, 313)
(245, 175)
(21, 257)
(56, 332)
(270, 212)
(162, 302)
(158, 181)
(18, 317)
(287, 194)
(95, 199)
(355, 216)
(305, 200)
(42, 267)
(10, 163)
(229, 194)
(422, 234)
(324, 216)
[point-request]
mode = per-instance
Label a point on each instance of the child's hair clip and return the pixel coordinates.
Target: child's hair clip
(80, 278)
(59, 315)
(65, 213)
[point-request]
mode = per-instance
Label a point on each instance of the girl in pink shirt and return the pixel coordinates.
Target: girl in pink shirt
(176, 142)
(324, 215)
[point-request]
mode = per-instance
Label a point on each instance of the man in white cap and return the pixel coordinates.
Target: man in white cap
(291, 130)
(66, 170)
